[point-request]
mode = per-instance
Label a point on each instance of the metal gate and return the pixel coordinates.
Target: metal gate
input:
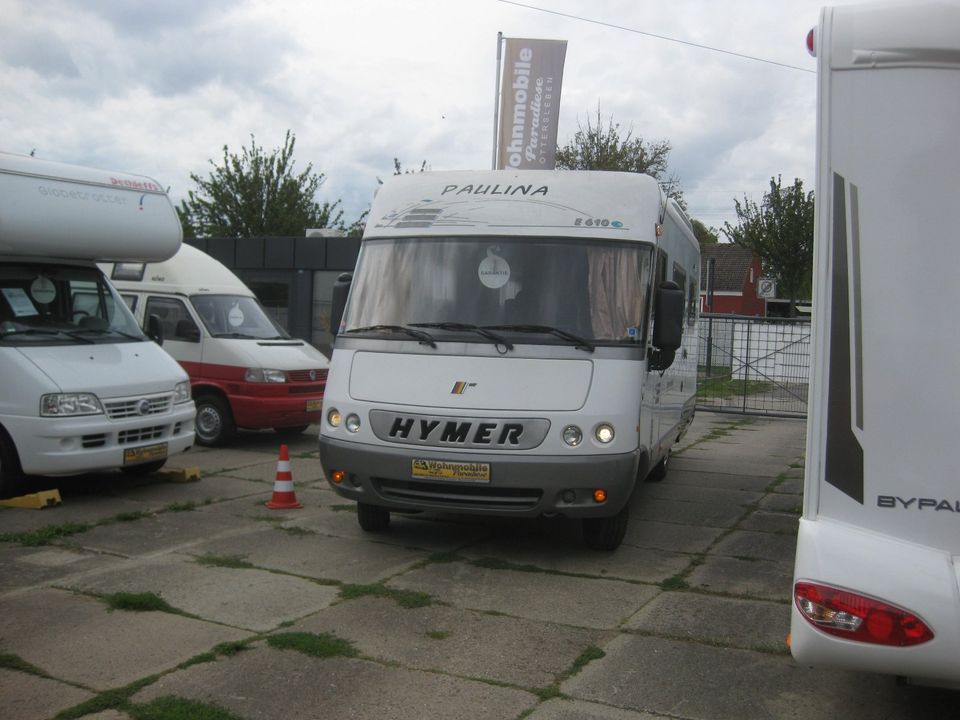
(753, 365)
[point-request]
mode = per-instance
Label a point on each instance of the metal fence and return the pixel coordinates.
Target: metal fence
(753, 365)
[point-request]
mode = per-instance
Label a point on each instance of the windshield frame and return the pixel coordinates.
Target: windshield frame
(584, 263)
(213, 312)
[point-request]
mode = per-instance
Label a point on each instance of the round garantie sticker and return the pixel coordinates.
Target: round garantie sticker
(494, 271)
(235, 316)
(43, 290)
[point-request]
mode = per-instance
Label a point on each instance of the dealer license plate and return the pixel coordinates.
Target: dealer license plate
(448, 470)
(314, 405)
(135, 456)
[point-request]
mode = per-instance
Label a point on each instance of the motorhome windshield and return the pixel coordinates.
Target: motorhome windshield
(586, 289)
(236, 316)
(44, 304)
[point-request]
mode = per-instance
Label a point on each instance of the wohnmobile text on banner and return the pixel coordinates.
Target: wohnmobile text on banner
(530, 103)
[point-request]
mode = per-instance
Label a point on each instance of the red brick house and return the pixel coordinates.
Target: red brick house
(736, 271)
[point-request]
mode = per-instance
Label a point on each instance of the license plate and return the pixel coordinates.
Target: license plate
(448, 470)
(134, 456)
(314, 405)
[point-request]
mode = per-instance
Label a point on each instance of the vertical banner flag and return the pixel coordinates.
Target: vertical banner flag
(530, 103)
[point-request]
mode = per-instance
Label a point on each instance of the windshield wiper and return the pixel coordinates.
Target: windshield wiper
(578, 342)
(241, 336)
(104, 331)
(35, 331)
(464, 327)
(424, 337)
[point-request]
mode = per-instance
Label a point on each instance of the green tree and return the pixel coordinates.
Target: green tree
(705, 235)
(604, 148)
(257, 194)
(780, 231)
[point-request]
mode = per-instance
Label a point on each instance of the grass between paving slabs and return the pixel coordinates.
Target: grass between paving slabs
(322, 645)
(9, 661)
(720, 431)
(409, 599)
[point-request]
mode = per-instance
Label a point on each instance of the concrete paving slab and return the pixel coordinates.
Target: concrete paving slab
(75, 508)
(700, 478)
(564, 709)
(24, 567)
(699, 682)
(240, 597)
(757, 545)
(689, 513)
(29, 697)
(158, 495)
(782, 502)
(775, 522)
(263, 683)
(670, 536)
(747, 624)
(688, 493)
(77, 639)
(751, 578)
(461, 642)
(222, 461)
(305, 471)
(791, 485)
(581, 602)
(315, 555)
(748, 464)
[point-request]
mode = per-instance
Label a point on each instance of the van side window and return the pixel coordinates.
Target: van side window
(175, 318)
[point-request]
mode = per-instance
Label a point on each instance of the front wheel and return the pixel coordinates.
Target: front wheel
(606, 533)
(659, 471)
(214, 424)
(11, 474)
(372, 517)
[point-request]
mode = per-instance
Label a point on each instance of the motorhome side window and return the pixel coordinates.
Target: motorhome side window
(595, 290)
(174, 316)
(60, 304)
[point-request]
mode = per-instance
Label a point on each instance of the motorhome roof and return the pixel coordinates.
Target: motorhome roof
(191, 271)
(612, 205)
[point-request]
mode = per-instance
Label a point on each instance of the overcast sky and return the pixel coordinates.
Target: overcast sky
(158, 88)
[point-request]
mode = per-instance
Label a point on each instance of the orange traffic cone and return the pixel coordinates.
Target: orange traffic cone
(284, 498)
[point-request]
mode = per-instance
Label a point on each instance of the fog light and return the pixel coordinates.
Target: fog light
(568, 496)
(337, 476)
(572, 435)
(333, 417)
(599, 495)
(353, 423)
(604, 433)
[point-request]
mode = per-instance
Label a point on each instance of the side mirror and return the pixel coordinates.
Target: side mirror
(187, 330)
(155, 329)
(341, 289)
(667, 325)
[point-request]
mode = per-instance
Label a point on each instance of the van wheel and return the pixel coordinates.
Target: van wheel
(11, 474)
(606, 533)
(659, 471)
(143, 468)
(372, 517)
(214, 424)
(291, 431)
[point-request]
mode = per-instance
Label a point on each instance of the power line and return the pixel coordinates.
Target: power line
(658, 37)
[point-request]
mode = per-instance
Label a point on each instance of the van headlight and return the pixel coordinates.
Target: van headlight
(67, 404)
(181, 392)
(604, 433)
(264, 375)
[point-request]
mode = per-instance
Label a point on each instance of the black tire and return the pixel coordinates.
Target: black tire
(11, 474)
(144, 468)
(606, 533)
(291, 431)
(214, 424)
(372, 518)
(659, 471)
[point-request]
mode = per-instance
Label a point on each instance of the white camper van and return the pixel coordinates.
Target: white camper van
(246, 371)
(877, 578)
(515, 344)
(83, 388)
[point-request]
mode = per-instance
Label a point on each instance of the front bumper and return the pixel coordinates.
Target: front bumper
(520, 485)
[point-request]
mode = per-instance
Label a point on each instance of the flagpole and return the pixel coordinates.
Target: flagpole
(496, 103)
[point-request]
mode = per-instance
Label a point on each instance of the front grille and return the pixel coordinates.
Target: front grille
(138, 407)
(454, 496)
(304, 376)
(93, 441)
(125, 437)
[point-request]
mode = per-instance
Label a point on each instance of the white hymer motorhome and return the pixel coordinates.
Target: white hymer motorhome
(515, 344)
(877, 577)
(83, 388)
(245, 370)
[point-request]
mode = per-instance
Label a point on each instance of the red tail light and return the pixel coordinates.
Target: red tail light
(811, 42)
(859, 618)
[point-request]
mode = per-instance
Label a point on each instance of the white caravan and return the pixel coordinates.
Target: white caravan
(877, 578)
(245, 370)
(83, 388)
(515, 344)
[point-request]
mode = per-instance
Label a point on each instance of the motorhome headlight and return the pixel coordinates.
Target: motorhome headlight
(572, 435)
(264, 375)
(64, 404)
(333, 417)
(353, 422)
(181, 393)
(604, 433)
